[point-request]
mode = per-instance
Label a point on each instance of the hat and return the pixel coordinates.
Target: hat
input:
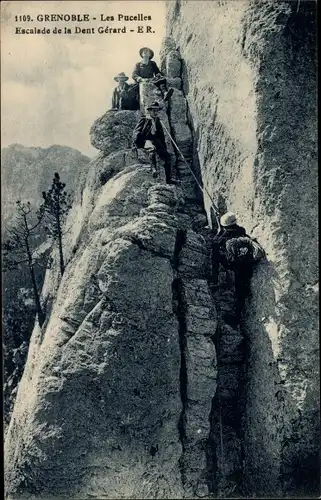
(154, 105)
(228, 219)
(150, 51)
(121, 75)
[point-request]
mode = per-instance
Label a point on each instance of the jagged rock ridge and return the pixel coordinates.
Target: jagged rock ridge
(127, 346)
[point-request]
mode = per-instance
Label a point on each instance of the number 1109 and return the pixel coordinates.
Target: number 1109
(23, 18)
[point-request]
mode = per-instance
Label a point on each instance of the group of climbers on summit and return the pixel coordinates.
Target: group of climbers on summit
(126, 96)
(149, 133)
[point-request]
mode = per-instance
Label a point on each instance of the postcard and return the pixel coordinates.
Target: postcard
(159, 249)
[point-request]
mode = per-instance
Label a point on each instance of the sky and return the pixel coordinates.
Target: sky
(54, 86)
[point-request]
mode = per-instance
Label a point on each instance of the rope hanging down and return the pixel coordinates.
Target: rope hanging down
(203, 189)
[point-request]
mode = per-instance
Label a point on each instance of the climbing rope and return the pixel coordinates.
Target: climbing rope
(203, 189)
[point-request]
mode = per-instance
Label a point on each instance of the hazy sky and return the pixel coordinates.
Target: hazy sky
(54, 86)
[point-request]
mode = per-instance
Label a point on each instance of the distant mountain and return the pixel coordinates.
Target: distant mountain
(27, 171)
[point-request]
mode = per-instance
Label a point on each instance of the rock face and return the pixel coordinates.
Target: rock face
(249, 77)
(113, 131)
(120, 379)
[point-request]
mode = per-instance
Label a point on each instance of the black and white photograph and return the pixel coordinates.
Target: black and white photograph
(159, 249)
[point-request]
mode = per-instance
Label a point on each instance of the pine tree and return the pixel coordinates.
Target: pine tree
(55, 208)
(19, 248)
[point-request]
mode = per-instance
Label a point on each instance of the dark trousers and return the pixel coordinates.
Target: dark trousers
(162, 152)
(242, 287)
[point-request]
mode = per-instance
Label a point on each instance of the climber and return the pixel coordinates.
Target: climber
(149, 134)
(148, 70)
(125, 96)
(236, 251)
(229, 229)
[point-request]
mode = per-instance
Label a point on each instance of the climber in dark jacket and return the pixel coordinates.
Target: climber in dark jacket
(147, 69)
(149, 134)
(125, 96)
(230, 229)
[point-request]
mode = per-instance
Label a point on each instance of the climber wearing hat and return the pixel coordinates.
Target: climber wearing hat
(231, 231)
(125, 96)
(149, 134)
(230, 228)
(147, 69)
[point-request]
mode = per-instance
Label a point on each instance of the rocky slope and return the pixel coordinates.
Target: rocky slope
(130, 321)
(138, 386)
